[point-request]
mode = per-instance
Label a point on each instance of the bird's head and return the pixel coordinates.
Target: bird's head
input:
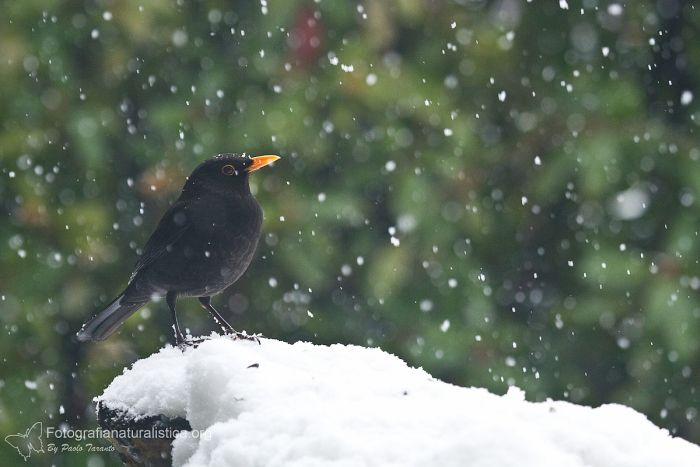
(226, 172)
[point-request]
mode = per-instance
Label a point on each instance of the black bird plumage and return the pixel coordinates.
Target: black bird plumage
(202, 245)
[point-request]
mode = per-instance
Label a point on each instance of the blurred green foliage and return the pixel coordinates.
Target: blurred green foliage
(537, 168)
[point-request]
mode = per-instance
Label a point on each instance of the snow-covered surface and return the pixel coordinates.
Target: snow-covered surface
(310, 405)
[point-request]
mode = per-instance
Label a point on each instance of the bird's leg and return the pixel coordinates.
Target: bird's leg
(223, 324)
(170, 298)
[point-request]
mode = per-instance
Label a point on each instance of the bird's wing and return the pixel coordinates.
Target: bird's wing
(172, 226)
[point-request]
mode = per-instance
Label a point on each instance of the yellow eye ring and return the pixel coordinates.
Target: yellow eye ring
(228, 169)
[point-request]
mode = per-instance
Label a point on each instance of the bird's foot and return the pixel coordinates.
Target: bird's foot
(190, 341)
(244, 335)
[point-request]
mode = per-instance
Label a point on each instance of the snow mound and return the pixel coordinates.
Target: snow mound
(309, 405)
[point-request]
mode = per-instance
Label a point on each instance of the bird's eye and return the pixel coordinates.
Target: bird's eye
(228, 169)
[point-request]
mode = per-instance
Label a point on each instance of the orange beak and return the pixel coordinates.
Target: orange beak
(261, 161)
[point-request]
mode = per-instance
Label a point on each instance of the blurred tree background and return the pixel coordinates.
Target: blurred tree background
(502, 192)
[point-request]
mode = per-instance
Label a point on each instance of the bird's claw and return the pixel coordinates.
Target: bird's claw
(245, 336)
(186, 342)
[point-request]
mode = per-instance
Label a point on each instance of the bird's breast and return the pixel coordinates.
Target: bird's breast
(229, 240)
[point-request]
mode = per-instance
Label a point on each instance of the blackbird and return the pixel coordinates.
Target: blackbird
(202, 245)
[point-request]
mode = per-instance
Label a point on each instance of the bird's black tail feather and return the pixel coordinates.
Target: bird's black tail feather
(107, 321)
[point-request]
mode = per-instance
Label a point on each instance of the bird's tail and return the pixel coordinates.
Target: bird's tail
(107, 321)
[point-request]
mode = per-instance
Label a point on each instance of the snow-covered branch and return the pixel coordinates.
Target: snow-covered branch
(312, 405)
